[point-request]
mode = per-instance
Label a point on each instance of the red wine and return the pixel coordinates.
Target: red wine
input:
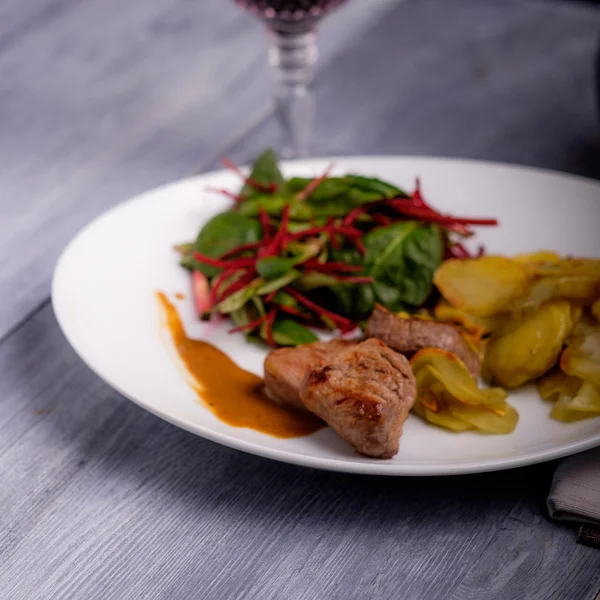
(289, 10)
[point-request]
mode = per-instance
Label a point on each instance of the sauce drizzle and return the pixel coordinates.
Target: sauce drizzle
(234, 396)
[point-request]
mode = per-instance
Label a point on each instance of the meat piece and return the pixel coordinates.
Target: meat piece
(411, 335)
(365, 394)
(285, 368)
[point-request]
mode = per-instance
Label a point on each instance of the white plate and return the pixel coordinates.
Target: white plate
(104, 298)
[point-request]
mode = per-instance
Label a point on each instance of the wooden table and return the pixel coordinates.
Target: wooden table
(101, 99)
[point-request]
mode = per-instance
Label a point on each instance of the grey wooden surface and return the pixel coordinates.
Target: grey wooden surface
(100, 99)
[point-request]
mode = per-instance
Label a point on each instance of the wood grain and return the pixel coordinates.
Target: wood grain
(102, 497)
(97, 108)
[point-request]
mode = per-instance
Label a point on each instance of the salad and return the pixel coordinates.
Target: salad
(294, 255)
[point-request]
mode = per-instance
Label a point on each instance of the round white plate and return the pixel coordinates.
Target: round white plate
(104, 298)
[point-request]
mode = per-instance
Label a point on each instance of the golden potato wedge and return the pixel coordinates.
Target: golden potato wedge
(525, 348)
(485, 286)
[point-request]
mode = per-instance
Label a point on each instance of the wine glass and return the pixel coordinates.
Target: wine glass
(293, 52)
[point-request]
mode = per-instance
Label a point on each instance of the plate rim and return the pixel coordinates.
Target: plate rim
(374, 466)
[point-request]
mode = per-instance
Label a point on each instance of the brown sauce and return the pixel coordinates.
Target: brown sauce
(235, 396)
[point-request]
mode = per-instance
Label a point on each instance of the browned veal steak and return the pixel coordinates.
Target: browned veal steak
(411, 335)
(285, 368)
(364, 392)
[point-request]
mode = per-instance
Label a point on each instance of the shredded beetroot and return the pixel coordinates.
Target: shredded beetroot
(235, 197)
(238, 263)
(292, 311)
(249, 326)
(281, 237)
(353, 215)
(343, 323)
(269, 327)
(239, 249)
(329, 267)
(266, 225)
(314, 184)
(238, 284)
(457, 250)
(427, 214)
(382, 220)
(269, 189)
(219, 280)
(416, 195)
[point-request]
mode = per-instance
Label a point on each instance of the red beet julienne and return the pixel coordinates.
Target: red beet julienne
(235, 197)
(342, 323)
(314, 184)
(266, 225)
(280, 238)
(428, 214)
(235, 263)
(269, 189)
(269, 327)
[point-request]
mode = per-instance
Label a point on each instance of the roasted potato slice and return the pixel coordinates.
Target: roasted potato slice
(537, 257)
(449, 371)
(482, 286)
(566, 267)
(556, 384)
(576, 288)
(581, 357)
(448, 396)
(441, 417)
(473, 328)
(489, 418)
(525, 348)
(574, 399)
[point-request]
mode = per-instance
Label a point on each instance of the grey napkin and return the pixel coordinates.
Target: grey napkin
(575, 494)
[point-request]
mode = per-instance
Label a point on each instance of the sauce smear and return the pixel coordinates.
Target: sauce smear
(232, 394)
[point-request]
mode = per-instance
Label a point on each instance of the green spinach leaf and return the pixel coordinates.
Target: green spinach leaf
(287, 332)
(223, 233)
(239, 299)
(265, 171)
(402, 259)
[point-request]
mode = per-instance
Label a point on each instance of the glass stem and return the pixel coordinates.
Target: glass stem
(294, 55)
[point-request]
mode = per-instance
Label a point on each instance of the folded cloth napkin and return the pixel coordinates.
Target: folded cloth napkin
(575, 494)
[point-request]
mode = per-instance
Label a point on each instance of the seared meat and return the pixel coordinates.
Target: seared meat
(364, 393)
(410, 335)
(285, 368)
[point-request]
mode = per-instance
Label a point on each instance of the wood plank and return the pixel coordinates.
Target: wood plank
(103, 500)
(18, 19)
(98, 108)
